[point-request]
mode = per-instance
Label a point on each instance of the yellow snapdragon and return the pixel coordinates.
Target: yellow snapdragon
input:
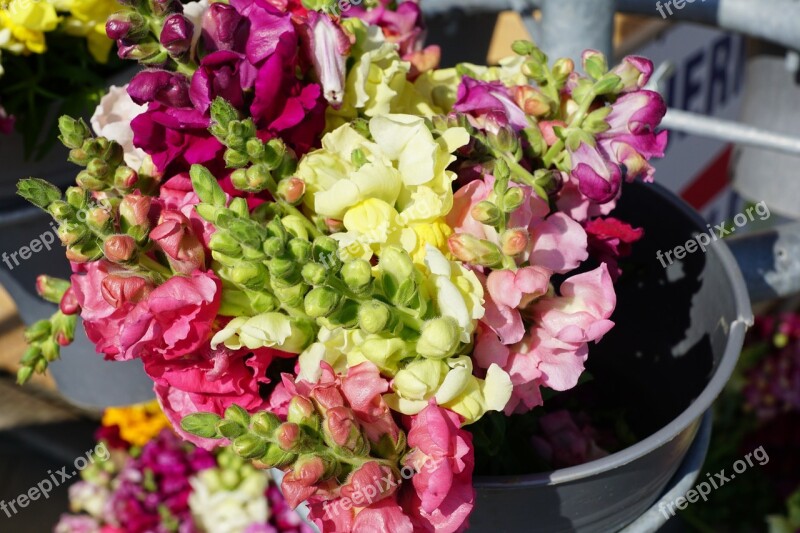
(138, 424)
(393, 190)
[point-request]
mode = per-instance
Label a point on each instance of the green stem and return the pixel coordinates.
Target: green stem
(152, 265)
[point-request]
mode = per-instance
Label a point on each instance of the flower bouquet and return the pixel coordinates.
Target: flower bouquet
(339, 260)
(150, 481)
(52, 54)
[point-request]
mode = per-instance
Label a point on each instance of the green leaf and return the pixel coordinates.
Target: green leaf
(38, 192)
(206, 186)
(201, 424)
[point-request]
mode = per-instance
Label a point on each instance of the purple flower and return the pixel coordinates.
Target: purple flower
(268, 29)
(221, 74)
(635, 72)
(328, 47)
(176, 35)
(223, 28)
(161, 86)
(633, 120)
(493, 99)
(404, 26)
(598, 178)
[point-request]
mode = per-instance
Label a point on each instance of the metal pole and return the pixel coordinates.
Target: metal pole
(730, 131)
(571, 26)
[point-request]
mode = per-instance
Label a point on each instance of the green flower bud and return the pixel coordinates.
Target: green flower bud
(201, 424)
(31, 355)
(61, 210)
(471, 250)
(534, 70)
(50, 350)
(98, 168)
(291, 190)
(357, 274)
(486, 212)
(41, 366)
(512, 199)
(38, 192)
(439, 338)
(222, 112)
(301, 411)
(79, 157)
(99, 219)
(250, 275)
(76, 197)
(314, 273)
(206, 186)
(284, 272)
(223, 243)
(229, 429)
(320, 302)
(274, 152)
(249, 446)
(326, 252)
(235, 159)
(73, 132)
(50, 288)
(608, 84)
(69, 233)
(237, 414)
(125, 178)
(397, 275)
(255, 149)
(594, 64)
(275, 458)
(24, 375)
(39, 331)
(264, 424)
(373, 316)
(292, 296)
(274, 247)
(300, 250)
(523, 48)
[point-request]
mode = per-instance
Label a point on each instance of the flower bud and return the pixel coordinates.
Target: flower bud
(635, 72)
(69, 233)
(69, 302)
(340, 429)
(264, 424)
(357, 274)
(300, 250)
(61, 210)
(249, 446)
(39, 331)
(292, 296)
(513, 199)
(284, 272)
(326, 252)
(176, 35)
(532, 101)
(314, 273)
(534, 70)
(223, 243)
(486, 212)
(275, 457)
(373, 316)
(50, 350)
(514, 241)
(118, 290)
(320, 302)
(64, 328)
(134, 211)
(562, 69)
(176, 238)
(250, 275)
(98, 218)
(125, 178)
(168, 88)
(73, 132)
(291, 190)
(83, 253)
(140, 52)
(301, 411)
(119, 248)
(98, 168)
(24, 375)
(128, 25)
(290, 437)
(594, 63)
(504, 140)
(50, 288)
(230, 429)
(439, 338)
(471, 250)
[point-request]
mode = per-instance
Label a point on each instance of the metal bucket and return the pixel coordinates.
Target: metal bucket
(678, 336)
